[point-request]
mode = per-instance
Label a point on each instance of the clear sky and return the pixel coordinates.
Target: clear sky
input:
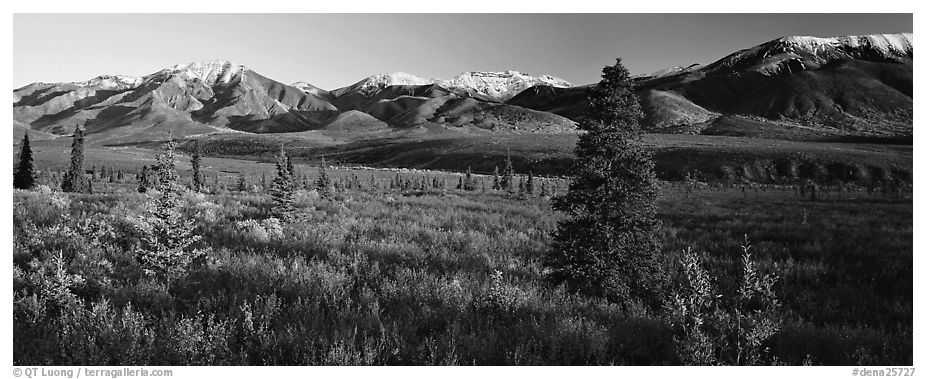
(335, 50)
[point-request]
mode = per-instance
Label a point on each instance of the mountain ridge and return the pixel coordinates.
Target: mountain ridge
(850, 84)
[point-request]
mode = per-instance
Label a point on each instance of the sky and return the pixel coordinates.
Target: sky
(336, 50)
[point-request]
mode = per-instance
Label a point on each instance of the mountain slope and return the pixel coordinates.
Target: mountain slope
(858, 85)
(193, 98)
(481, 85)
(408, 105)
(853, 84)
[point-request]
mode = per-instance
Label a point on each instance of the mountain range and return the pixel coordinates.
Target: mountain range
(850, 85)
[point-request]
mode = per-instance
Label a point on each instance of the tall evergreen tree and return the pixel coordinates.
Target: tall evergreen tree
(607, 246)
(24, 175)
(323, 183)
(469, 183)
(142, 177)
(283, 190)
(507, 181)
(196, 162)
(242, 184)
(529, 186)
(289, 167)
(167, 237)
(496, 184)
(75, 180)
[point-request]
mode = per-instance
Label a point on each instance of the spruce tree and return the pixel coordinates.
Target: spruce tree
(142, 178)
(24, 175)
(196, 162)
(496, 184)
(469, 183)
(323, 183)
(283, 190)
(242, 184)
(529, 186)
(167, 236)
(507, 181)
(607, 246)
(289, 167)
(75, 179)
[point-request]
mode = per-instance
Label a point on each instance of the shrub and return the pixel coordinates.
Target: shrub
(498, 297)
(715, 330)
(263, 231)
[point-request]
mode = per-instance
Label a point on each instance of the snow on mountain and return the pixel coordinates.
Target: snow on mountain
(216, 72)
(111, 82)
(886, 44)
(372, 84)
(499, 85)
(800, 53)
(669, 71)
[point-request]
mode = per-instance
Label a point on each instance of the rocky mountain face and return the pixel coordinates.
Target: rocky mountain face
(859, 84)
(853, 84)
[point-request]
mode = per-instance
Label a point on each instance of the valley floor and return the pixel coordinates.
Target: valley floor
(435, 276)
(704, 157)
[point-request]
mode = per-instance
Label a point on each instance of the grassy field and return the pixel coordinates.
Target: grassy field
(430, 276)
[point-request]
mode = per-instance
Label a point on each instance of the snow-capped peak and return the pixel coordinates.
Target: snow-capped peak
(370, 85)
(380, 81)
(111, 82)
(501, 85)
(210, 72)
(799, 53)
(887, 44)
